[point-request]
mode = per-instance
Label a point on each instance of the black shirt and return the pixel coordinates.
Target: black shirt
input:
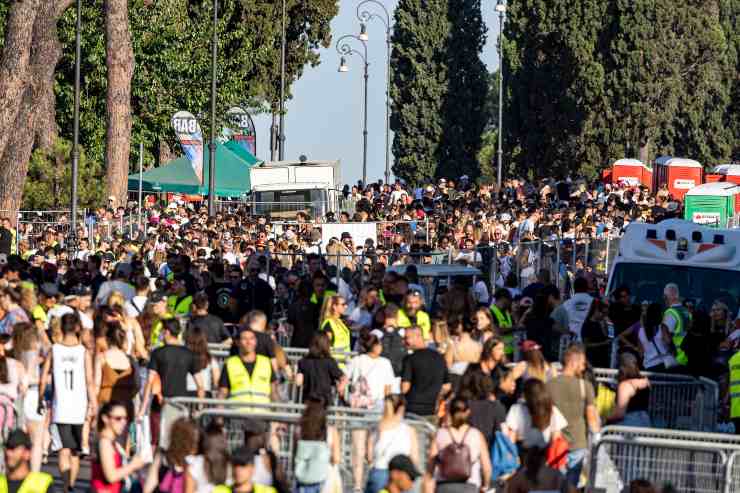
(172, 364)
(598, 351)
(224, 381)
(212, 326)
(426, 371)
(320, 375)
(487, 416)
(6, 239)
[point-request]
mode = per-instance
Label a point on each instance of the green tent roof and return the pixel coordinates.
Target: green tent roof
(232, 174)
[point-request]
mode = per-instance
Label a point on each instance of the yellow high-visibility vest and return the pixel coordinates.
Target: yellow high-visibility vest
(735, 386)
(503, 320)
(181, 307)
(683, 318)
(327, 294)
(256, 488)
(156, 339)
(341, 337)
(35, 482)
(254, 388)
(422, 321)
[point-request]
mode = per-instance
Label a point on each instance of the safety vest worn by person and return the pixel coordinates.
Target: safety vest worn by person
(341, 338)
(683, 318)
(422, 321)
(254, 388)
(503, 320)
(179, 306)
(381, 297)
(35, 482)
(156, 338)
(315, 300)
(256, 488)
(735, 386)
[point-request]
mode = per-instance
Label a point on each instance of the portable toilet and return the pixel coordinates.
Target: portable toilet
(713, 204)
(632, 172)
(725, 172)
(679, 174)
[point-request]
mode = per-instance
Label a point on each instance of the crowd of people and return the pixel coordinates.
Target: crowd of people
(97, 339)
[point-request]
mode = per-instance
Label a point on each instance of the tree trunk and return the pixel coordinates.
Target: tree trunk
(14, 67)
(165, 153)
(120, 63)
(645, 151)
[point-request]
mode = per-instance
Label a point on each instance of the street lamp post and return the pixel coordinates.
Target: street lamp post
(501, 9)
(212, 143)
(281, 142)
(344, 49)
(364, 17)
(76, 129)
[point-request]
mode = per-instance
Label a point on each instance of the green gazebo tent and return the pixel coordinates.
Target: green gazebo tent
(177, 176)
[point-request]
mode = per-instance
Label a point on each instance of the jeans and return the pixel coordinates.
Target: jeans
(377, 479)
(575, 464)
(310, 488)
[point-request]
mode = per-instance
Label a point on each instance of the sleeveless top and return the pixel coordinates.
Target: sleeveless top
(117, 385)
(70, 384)
(10, 389)
(391, 442)
(640, 401)
(98, 483)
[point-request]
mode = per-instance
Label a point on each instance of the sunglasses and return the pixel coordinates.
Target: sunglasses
(118, 419)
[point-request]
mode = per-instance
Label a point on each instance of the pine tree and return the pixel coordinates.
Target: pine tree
(464, 110)
(418, 87)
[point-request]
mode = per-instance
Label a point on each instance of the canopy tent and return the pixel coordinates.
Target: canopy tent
(232, 174)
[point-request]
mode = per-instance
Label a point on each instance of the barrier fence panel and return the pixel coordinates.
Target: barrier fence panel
(696, 467)
(238, 417)
(676, 401)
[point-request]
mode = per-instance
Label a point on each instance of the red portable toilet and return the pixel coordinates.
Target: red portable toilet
(726, 172)
(679, 174)
(632, 172)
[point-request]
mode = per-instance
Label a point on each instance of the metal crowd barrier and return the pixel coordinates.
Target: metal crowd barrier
(678, 402)
(688, 462)
(237, 417)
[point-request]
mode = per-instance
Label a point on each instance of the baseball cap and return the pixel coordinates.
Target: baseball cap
(49, 289)
(404, 464)
(18, 438)
(530, 346)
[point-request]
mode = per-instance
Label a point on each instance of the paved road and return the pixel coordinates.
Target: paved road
(83, 483)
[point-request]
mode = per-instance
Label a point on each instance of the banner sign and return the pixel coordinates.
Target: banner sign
(191, 139)
(240, 129)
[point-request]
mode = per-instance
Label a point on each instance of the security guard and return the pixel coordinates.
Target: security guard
(412, 314)
(159, 309)
(735, 391)
(501, 311)
(333, 325)
(248, 377)
(19, 478)
(180, 301)
(321, 291)
(242, 472)
(676, 319)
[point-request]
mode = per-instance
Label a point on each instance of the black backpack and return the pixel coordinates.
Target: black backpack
(394, 349)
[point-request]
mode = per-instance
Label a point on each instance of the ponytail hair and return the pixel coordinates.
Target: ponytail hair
(458, 412)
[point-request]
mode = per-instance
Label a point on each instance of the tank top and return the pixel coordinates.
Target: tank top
(30, 360)
(98, 483)
(70, 384)
(117, 385)
(391, 442)
(10, 389)
(640, 401)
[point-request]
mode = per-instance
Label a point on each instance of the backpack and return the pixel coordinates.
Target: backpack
(454, 462)
(311, 462)
(504, 457)
(394, 349)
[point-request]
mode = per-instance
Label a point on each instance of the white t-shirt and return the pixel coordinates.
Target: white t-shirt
(196, 469)
(480, 292)
(577, 308)
(656, 351)
(519, 421)
(134, 303)
(377, 371)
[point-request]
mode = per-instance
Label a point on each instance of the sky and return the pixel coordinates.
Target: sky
(325, 117)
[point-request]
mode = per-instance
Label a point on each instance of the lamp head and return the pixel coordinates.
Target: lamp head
(343, 67)
(363, 32)
(500, 6)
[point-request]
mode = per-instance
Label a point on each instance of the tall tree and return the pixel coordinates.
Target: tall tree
(464, 115)
(120, 64)
(418, 87)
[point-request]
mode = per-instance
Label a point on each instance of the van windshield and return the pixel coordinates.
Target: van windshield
(312, 201)
(701, 285)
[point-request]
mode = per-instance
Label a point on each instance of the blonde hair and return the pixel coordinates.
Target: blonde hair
(327, 309)
(116, 298)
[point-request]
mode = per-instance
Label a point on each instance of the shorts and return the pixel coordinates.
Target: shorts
(71, 437)
(31, 405)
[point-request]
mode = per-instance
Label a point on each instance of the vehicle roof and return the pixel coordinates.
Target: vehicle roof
(278, 164)
(288, 186)
(677, 161)
(635, 246)
(721, 188)
(438, 270)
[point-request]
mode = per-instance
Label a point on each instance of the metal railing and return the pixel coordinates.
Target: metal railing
(688, 462)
